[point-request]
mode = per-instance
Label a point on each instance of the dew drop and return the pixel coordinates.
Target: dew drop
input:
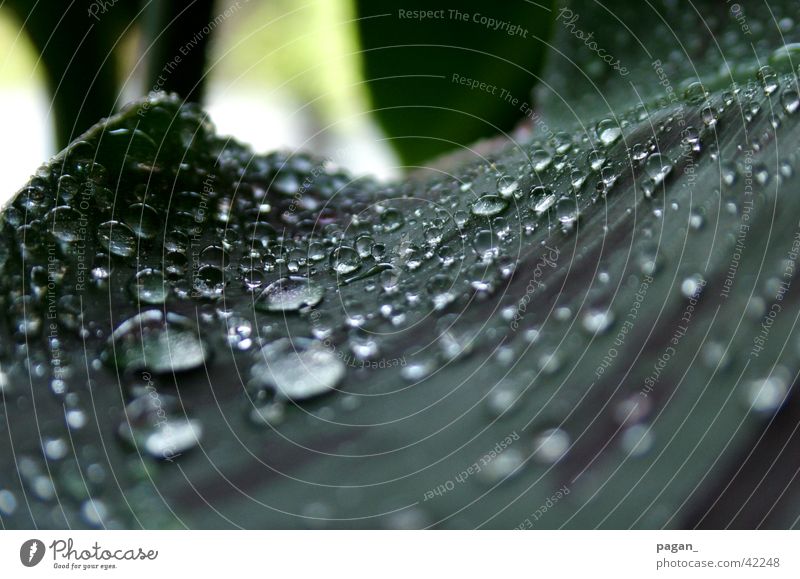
(550, 445)
(157, 342)
(489, 206)
(790, 100)
(657, 167)
(117, 238)
(149, 287)
(608, 132)
(64, 224)
(298, 369)
(152, 424)
(290, 294)
(345, 260)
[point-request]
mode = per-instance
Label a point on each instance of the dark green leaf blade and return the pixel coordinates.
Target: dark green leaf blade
(441, 77)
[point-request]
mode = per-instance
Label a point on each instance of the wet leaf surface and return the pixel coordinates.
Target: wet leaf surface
(591, 328)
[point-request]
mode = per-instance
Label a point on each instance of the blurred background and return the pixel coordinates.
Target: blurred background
(369, 85)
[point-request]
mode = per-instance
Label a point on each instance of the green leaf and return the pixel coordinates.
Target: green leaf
(594, 327)
(441, 77)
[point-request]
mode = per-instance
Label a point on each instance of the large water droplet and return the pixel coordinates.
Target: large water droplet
(790, 100)
(608, 131)
(149, 287)
(489, 206)
(298, 369)
(345, 260)
(157, 342)
(152, 423)
(290, 294)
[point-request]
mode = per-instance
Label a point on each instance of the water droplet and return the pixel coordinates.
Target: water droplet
(768, 79)
(117, 238)
(540, 160)
(298, 368)
(595, 159)
(786, 58)
(392, 220)
(507, 186)
(157, 342)
(597, 321)
(766, 394)
(290, 294)
(209, 282)
(8, 503)
(143, 220)
(710, 116)
(550, 445)
(692, 286)
(545, 199)
(567, 210)
(149, 287)
(657, 167)
(790, 100)
(151, 424)
(345, 260)
(637, 440)
(489, 206)
(484, 245)
(64, 224)
(608, 131)
(695, 93)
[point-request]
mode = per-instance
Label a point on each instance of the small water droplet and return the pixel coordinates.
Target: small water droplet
(290, 294)
(657, 167)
